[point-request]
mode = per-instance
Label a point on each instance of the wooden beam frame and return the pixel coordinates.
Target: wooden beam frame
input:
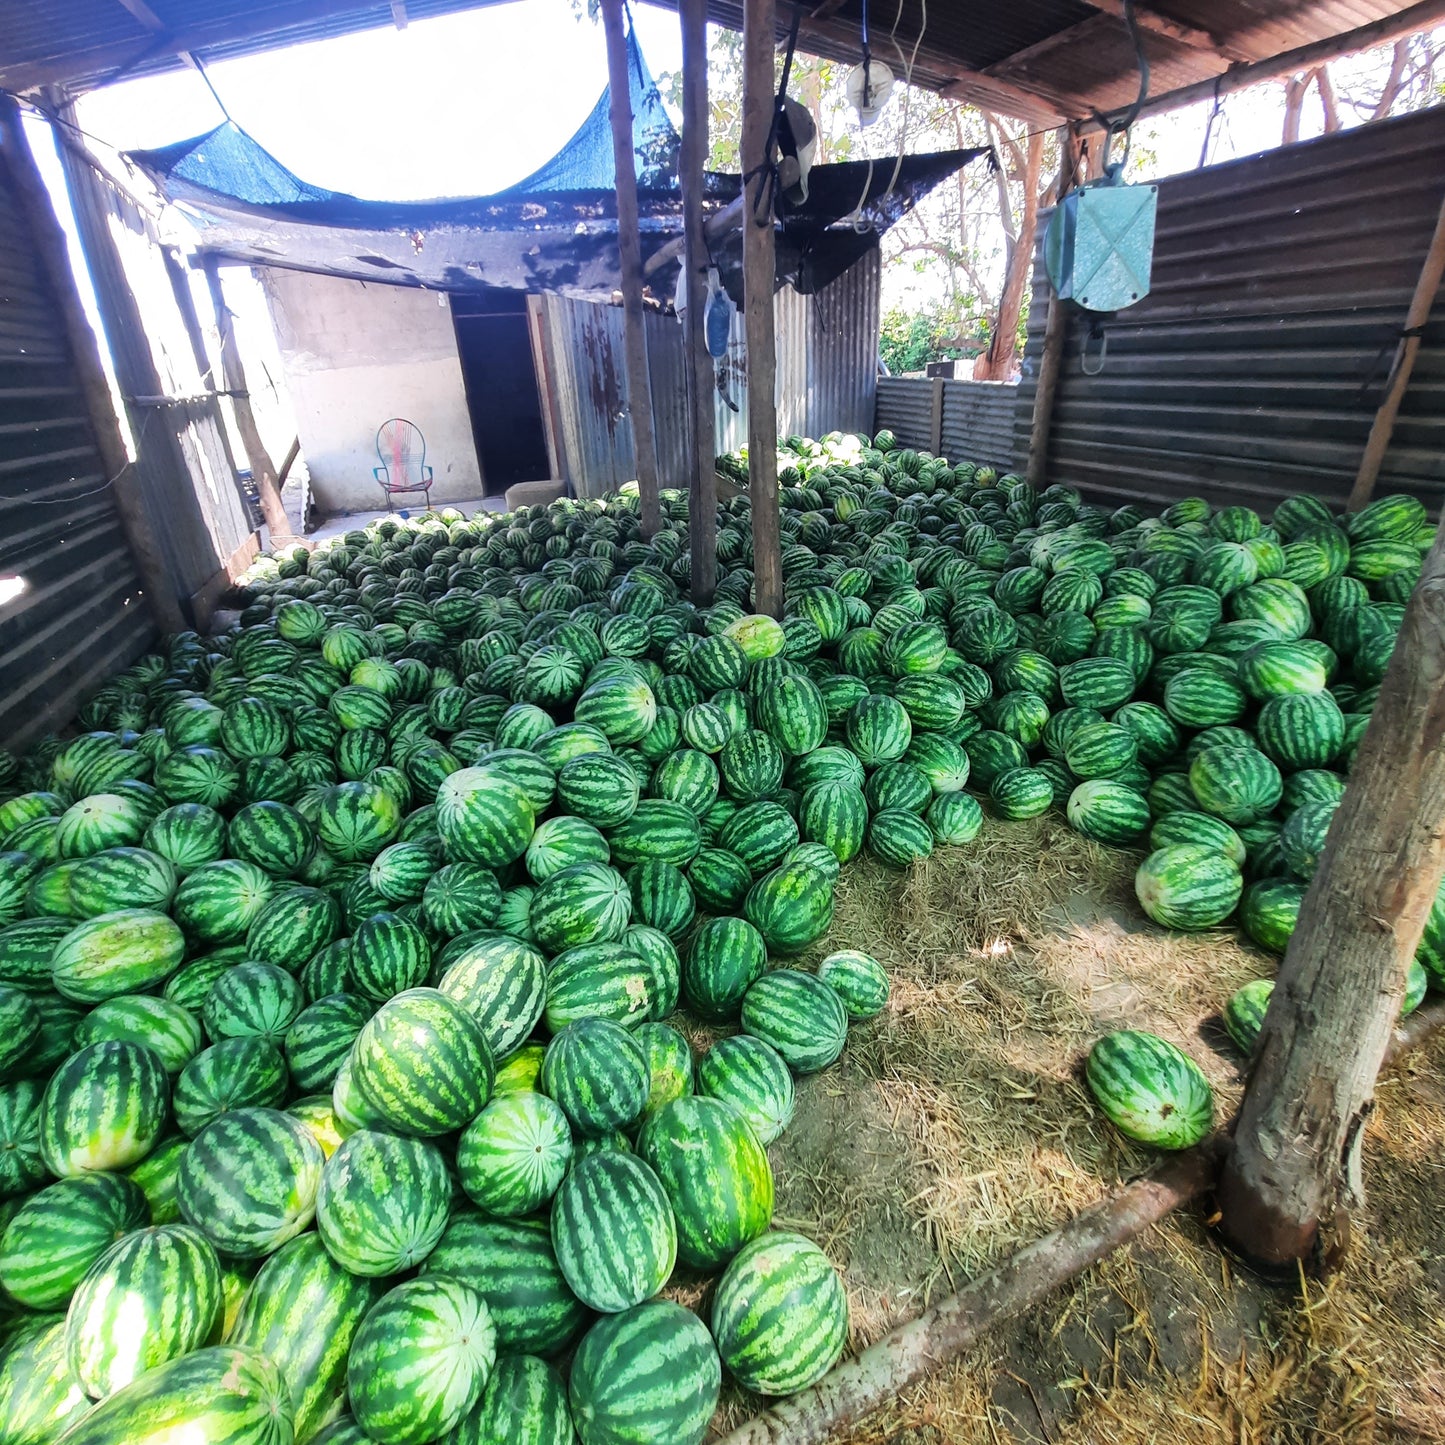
(1190, 35)
(629, 249)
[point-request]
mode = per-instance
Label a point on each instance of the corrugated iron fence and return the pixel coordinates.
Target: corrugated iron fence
(826, 362)
(973, 421)
(1254, 367)
(79, 614)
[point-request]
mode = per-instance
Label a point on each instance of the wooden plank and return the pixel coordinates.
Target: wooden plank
(629, 247)
(697, 363)
(1383, 427)
(1191, 35)
(547, 387)
(1056, 331)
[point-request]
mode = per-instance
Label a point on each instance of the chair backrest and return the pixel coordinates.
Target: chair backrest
(402, 449)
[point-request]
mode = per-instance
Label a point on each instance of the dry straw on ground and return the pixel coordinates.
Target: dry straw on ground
(957, 1128)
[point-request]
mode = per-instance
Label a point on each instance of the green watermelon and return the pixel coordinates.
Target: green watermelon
(1188, 887)
(320, 1038)
(1108, 812)
(524, 1403)
(598, 1074)
(751, 1077)
(799, 1015)
(1150, 1090)
(648, 1374)
(859, 980)
(389, 954)
(791, 906)
(583, 903)
(104, 1108)
(502, 983)
(780, 1315)
(117, 878)
(233, 1074)
(39, 1394)
(128, 951)
(252, 1000)
(1244, 1013)
(514, 1154)
(484, 817)
(612, 981)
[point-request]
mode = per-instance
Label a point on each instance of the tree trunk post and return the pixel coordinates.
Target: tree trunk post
(1055, 331)
(1292, 1171)
(1383, 428)
(697, 365)
(759, 270)
(233, 374)
(629, 247)
(50, 247)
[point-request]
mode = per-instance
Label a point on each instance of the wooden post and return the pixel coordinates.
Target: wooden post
(697, 367)
(1055, 331)
(1293, 1167)
(233, 372)
(629, 248)
(759, 271)
(54, 257)
(1405, 353)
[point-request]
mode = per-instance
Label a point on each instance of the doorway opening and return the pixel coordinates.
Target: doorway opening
(500, 374)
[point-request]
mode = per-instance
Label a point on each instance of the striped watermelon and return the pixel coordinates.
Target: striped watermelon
(292, 926)
(1244, 1013)
(583, 903)
(954, 818)
(613, 1231)
(1188, 887)
(1269, 910)
(420, 1360)
(118, 878)
(753, 1079)
(383, 1203)
(1150, 1090)
(39, 1394)
(1201, 829)
(173, 1033)
(461, 897)
(791, 907)
(1108, 812)
(649, 1374)
(669, 1064)
(1301, 730)
(780, 1315)
(105, 1107)
(524, 1403)
(233, 1074)
(1239, 785)
(512, 1265)
(272, 835)
(357, 819)
(252, 1000)
(152, 1296)
(835, 813)
(800, 1016)
(320, 1038)
(389, 954)
(513, 1155)
(859, 980)
(613, 981)
(715, 1174)
(223, 1395)
(726, 957)
(128, 951)
(598, 1074)
(104, 820)
(502, 983)
(217, 902)
(248, 1181)
(59, 1233)
(302, 1312)
(562, 842)
(658, 830)
(879, 730)
(423, 1064)
(599, 788)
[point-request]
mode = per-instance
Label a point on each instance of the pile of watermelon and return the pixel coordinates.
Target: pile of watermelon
(338, 1095)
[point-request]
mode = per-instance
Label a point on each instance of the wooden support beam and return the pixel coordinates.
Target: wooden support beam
(1292, 1175)
(1305, 57)
(730, 218)
(629, 247)
(759, 270)
(1191, 35)
(233, 373)
(1055, 335)
(50, 245)
(697, 363)
(1427, 287)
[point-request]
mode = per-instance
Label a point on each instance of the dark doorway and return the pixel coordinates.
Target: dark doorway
(495, 347)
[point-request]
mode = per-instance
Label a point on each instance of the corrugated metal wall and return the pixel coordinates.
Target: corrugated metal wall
(80, 616)
(185, 469)
(972, 421)
(1254, 367)
(827, 348)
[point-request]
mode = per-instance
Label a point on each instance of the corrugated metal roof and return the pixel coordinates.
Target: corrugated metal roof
(85, 43)
(81, 616)
(1254, 367)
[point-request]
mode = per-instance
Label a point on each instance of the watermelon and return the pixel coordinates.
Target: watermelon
(561, 842)
(598, 1074)
(320, 1038)
(658, 830)
(799, 1015)
(715, 1174)
(39, 1394)
(514, 1154)
(420, 1360)
(356, 820)
(104, 1108)
(252, 1000)
(583, 903)
(1188, 887)
(460, 897)
(223, 1395)
(1108, 812)
(648, 1374)
(382, 1203)
(59, 1233)
(791, 906)
(750, 1076)
(1201, 829)
(105, 820)
(599, 788)
(524, 1403)
(116, 878)
(859, 980)
(423, 1064)
(217, 902)
(603, 981)
(1269, 910)
(156, 1175)
(292, 926)
(669, 1065)
(780, 1315)
(128, 951)
(1150, 1090)
(1244, 1013)
(512, 1265)
(1301, 730)
(389, 954)
(249, 1179)
(233, 1074)
(726, 957)
(502, 983)
(1237, 784)
(150, 1297)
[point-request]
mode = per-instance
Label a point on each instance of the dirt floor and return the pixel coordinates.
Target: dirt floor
(957, 1128)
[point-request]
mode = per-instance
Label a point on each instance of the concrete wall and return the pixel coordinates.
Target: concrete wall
(354, 355)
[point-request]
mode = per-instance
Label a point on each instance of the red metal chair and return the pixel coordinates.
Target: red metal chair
(402, 450)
